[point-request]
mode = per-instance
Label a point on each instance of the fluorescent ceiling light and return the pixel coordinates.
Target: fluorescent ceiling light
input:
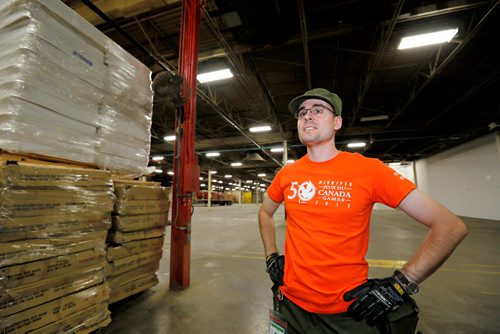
(214, 76)
(169, 138)
(213, 172)
(227, 176)
(158, 171)
(157, 158)
(263, 128)
(261, 174)
(236, 164)
(212, 154)
(249, 181)
(220, 181)
(290, 161)
(170, 173)
(374, 118)
(201, 178)
(203, 185)
(277, 149)
(395, 164)
(443, 36)
(353, 145)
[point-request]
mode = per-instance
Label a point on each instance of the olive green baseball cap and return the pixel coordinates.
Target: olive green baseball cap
(320, 94)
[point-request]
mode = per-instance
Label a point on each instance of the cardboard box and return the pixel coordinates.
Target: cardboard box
(41, 221)
(128, 263)
(28, 296)
(133, 287)
(133, 248)
(20, 174)
(21, 251)
(141, 207)
(51, 230)
(55, 310)
(146, 270)
(44, 202)
(135, 192)
(139, 222)
(123, 237)
(83, 322)
(23, 274)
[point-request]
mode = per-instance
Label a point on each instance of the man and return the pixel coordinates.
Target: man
(329, 196)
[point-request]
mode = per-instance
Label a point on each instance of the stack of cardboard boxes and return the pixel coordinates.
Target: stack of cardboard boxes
(53, 225)
(70, 94)
(136, 238)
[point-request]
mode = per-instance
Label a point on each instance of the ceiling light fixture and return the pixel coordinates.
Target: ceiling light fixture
(277, 149)
(356, 145)
(214, 76)
(157, 158)
(236, 164)
(263, 128)
(158, 171)
(169, 138)
(437, 37)
(213, 172)
(290, 161)
(212, 154)
(374, 118)
(261, 174)
(170, 173)
(228, 176)
(394, 163)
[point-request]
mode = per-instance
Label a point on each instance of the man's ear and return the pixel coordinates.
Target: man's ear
(337, 123)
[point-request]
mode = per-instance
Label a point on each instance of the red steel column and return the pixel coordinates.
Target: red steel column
(186, 170)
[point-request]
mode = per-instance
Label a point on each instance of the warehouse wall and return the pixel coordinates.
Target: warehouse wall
(466, 179)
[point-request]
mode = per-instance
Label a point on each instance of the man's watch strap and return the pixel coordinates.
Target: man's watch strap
(410, 287)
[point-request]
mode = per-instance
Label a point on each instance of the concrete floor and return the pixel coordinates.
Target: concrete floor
(230, 290)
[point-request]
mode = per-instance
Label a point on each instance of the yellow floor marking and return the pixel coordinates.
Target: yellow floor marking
(385, 263)
(378, 263)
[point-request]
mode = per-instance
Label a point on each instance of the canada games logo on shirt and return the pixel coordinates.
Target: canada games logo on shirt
(329, 191)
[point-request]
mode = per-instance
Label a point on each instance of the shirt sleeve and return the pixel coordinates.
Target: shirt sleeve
(390, 187)
(274, 191)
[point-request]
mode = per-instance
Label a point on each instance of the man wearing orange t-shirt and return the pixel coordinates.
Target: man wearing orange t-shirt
(329, 195)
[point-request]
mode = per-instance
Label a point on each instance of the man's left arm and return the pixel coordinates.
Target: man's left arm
(446, 231)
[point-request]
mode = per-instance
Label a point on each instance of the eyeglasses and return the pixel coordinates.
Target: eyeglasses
(316, 110)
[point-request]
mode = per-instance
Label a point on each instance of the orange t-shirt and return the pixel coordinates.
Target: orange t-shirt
(328, 207)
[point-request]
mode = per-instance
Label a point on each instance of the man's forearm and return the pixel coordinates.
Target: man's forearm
(438, 245)
(267, 229)
(446, 232)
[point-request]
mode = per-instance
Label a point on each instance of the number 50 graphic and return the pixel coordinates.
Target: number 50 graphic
(305, 191)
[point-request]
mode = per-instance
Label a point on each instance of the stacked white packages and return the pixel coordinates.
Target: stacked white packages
(68, 91)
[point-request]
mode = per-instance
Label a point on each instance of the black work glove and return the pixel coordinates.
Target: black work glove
(374, 299)
(275, 267)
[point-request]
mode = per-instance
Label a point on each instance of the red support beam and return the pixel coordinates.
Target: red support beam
(186, 169)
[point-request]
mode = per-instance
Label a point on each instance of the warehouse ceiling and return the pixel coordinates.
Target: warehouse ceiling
(405, 104)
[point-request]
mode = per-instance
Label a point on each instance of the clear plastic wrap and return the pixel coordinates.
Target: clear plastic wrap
(56, 310)
(29, 127)
(24, 297)
(29, 273)
(85, 321)
(22, 251)
(48, 202)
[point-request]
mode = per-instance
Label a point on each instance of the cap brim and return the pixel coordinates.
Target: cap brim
(294, 105)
